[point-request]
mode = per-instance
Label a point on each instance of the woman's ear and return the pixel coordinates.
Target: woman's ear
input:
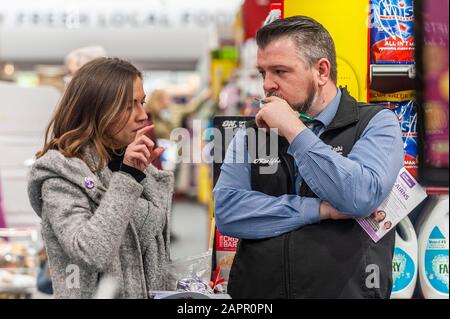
(324, 68)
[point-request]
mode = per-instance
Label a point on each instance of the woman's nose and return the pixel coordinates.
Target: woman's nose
(142, 114)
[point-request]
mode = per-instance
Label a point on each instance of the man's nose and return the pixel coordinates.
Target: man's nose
(269, 85)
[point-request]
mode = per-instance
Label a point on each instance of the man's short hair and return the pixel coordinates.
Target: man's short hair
(313, 41)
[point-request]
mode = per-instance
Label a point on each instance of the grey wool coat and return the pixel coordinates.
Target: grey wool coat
(104, 224)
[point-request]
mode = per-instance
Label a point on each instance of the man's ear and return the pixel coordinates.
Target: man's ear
(324, 69)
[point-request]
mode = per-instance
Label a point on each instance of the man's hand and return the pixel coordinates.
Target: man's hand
(277, 113)
(329, 212)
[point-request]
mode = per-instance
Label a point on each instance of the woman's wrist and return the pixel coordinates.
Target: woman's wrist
(134, 172)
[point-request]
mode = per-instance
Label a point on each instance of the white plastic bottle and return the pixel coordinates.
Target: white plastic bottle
(433, 250)
(404, 263)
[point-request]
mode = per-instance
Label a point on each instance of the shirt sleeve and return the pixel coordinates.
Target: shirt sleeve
(243, 213)
(358, 183)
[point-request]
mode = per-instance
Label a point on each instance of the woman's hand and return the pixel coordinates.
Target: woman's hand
(140, 153)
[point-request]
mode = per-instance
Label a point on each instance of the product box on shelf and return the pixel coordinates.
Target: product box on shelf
(404, 105)
(392, 31)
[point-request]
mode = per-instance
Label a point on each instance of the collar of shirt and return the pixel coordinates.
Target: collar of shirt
(327, 115)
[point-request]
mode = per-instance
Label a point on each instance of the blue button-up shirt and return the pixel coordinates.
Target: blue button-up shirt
(355, 185)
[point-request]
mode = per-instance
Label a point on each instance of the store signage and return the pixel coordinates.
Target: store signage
(117, 13)
(48, 29)
(118, 19)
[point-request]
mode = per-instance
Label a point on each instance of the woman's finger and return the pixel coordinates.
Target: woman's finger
(138, 156)
(144, 130)
(143, 149)
(156, 153)
(146, 141)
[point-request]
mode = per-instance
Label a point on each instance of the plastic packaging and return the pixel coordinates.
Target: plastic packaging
(404, 263)
(190, 271)
(225, 251)
(433, 250)
(189, 278)
(391, 31)
(404, 105)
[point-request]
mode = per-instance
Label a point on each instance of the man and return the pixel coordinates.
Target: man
(298, 236)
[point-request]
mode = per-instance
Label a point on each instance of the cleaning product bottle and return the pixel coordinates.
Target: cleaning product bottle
(433, 251)
(404, 263)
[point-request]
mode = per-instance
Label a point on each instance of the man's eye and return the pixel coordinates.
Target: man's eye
(262, 74)
(280, 72)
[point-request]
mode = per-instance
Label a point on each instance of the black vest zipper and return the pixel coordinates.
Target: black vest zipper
(286, 239)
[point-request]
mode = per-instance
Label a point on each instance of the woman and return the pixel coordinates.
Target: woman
(168, 116)
(104, 208)
(158, 107)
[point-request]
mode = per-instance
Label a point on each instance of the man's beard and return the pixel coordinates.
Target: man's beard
(307, 104)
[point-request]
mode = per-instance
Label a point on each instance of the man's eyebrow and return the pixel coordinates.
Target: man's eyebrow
(277, 66)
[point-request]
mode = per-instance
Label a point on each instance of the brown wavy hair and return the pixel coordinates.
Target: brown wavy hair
(93, 108)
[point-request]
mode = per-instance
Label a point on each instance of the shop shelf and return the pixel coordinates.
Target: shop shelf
(408, 70)
(19, 262)
(437, 190)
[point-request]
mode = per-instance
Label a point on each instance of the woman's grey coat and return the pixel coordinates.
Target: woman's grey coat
(119, 228)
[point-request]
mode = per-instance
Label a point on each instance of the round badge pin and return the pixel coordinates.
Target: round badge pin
(89, 183)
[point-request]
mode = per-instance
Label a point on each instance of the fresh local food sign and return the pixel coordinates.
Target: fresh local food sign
(151, 30)
(117, 14)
